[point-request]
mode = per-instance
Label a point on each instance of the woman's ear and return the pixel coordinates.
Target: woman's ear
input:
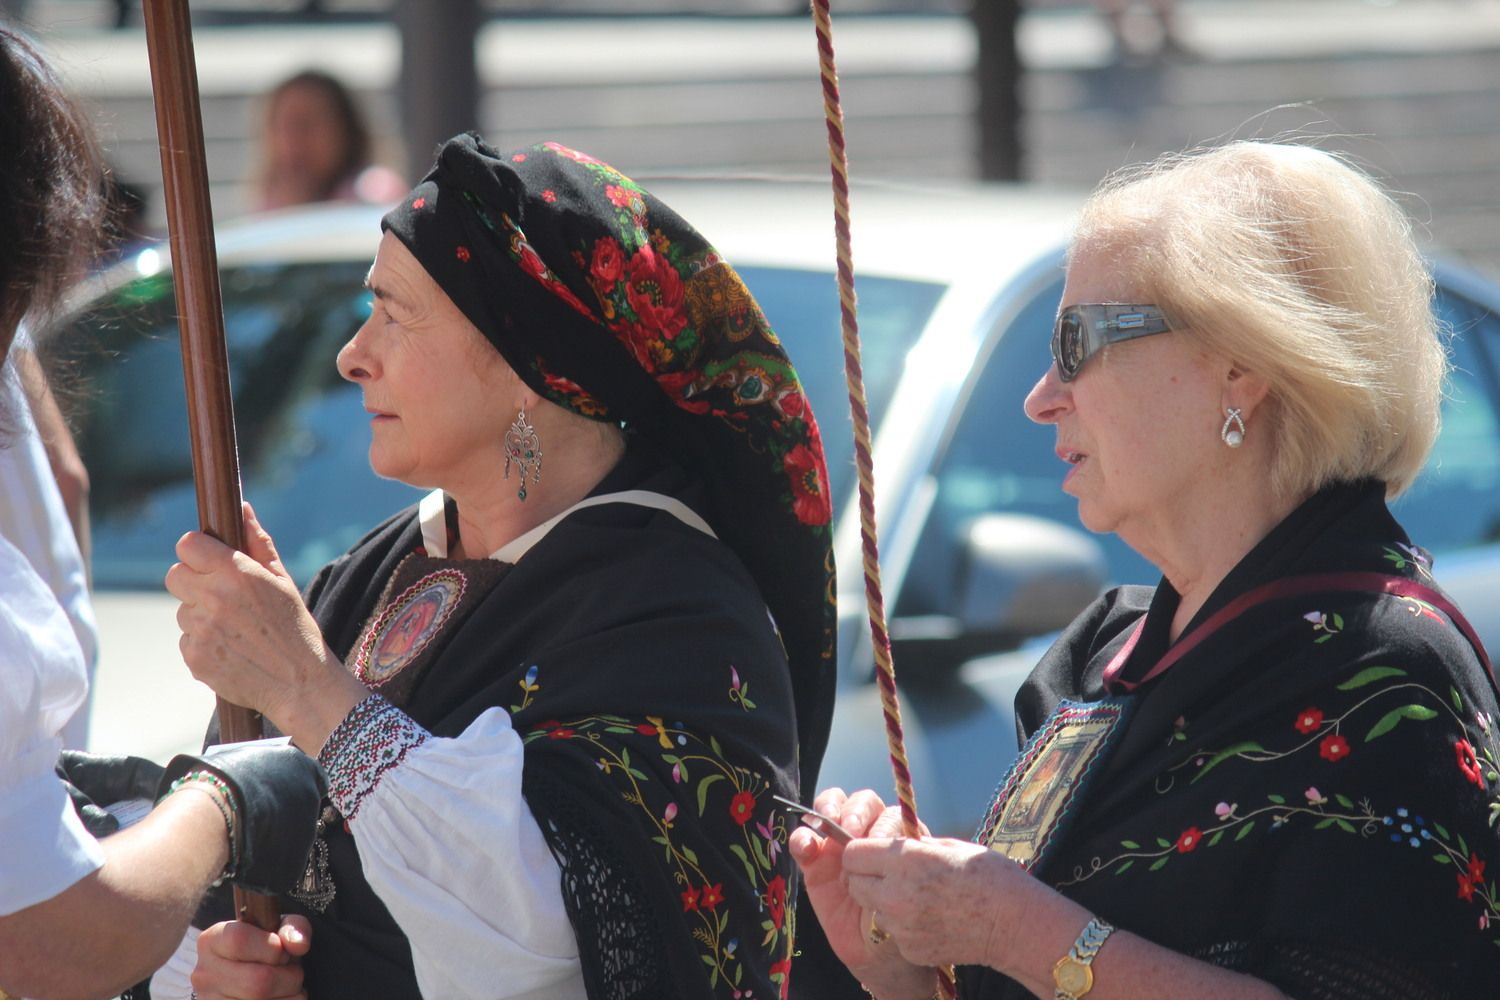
(1244, 390)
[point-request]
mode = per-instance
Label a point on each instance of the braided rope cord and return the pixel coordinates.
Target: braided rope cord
(885, 670)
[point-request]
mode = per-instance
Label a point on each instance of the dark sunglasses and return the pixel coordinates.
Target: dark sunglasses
(1083, 330)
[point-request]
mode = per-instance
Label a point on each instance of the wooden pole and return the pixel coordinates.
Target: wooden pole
(205, 362)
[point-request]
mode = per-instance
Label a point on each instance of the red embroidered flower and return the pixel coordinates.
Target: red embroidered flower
(462, 253)
(689, 900)
(560, 734)
(809, 485)
(1334, 747)
(618, 196)
(419, 203)
(608, 265)
(1476, 869)
(1465, 887)
(1309, 719)
(549, 724)
(742, 807)
(783, 969)
(776, 900)
(530, 262)
(1189, 840)
(792, 404)
(549, 196)
(712, 896)
(654, 291)
(518, 158)
(1467, 762)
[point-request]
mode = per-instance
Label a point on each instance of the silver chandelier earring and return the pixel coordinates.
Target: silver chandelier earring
(1233, 431)
(524, 448)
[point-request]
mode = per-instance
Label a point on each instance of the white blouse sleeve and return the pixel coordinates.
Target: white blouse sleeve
(42, 682)
(451, 848)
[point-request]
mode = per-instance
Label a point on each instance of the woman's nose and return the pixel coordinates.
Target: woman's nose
(1049, 399)
(355, 361)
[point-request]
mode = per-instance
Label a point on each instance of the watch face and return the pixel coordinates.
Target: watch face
(1073, 976)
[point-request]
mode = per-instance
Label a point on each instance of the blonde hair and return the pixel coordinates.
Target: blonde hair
(1300, 268)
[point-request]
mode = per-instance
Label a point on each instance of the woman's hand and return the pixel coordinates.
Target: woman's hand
(247, 635)
(942, 901)
(239, 961)
(881, 967)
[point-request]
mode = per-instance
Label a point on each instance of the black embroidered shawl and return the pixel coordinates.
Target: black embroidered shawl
(1309, 796)
(644, 675)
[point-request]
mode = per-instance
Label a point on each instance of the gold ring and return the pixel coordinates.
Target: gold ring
(875, 935)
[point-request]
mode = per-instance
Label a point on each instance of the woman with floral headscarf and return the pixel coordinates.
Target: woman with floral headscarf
(556, 697)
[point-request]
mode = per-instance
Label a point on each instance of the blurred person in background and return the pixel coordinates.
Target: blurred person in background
(1128, 43)
(1275, 773)
(315, 145)
(81, 916)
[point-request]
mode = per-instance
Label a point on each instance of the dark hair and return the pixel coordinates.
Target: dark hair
(52, 207)
(357, 143)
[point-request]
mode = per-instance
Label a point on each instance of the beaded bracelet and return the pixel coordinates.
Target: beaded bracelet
(224, 800)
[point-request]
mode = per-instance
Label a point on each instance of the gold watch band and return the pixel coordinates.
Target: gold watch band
(1073, 974)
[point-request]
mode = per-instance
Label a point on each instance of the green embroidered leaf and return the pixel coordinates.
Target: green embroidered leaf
(1442, 859)
(1345, 825)
(1214, 840)
(1370, 675)
(625, 758)
(1442, 831)
(1162, 842)
(1324, 824)
(691, 855)
(1463, 845)
(739, 852)
(671, 758)
(1344, 800)
(637, 773)
(1125, 867)
(714, 743)
(1223, 755)
(618, 729)
(760, 852)
(1458, 702)
(739, 973)
(615, 718)
(746, 702)
(1132, 845)
(1245, 830)
(1338, 620)
(1388, 722)
(1280, 800)
(1160, 862)
(1322, 639)
(724, 919)
(703, 791)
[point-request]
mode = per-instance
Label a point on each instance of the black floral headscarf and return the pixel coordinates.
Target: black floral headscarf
(609, 304)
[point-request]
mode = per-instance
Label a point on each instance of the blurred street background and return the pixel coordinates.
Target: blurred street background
(933, 89)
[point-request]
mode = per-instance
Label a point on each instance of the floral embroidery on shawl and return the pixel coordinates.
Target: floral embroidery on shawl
(700, 779)
(1373, 702)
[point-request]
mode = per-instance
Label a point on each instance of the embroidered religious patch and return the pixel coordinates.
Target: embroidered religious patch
(407, 625)
(1039, 792)
(425, 601)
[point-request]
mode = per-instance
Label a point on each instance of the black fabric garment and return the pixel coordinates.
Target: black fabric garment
(1307, 796)
(645, 677)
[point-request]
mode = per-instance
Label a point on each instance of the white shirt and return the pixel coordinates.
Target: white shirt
(33, 518)
(43, 846)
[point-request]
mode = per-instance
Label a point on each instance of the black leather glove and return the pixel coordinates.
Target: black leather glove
(278, 792)
(95, 780)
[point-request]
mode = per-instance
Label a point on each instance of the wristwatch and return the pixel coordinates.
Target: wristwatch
(1074, 974)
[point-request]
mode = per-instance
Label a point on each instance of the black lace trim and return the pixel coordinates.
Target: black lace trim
(1322, 972)
(619, 947)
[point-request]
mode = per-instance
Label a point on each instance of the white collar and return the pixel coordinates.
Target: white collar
(433, 518)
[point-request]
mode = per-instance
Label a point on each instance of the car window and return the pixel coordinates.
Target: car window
(1455, 502)
(300, 427)
(803, 309)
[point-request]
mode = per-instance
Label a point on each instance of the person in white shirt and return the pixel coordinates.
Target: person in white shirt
(79, 916)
